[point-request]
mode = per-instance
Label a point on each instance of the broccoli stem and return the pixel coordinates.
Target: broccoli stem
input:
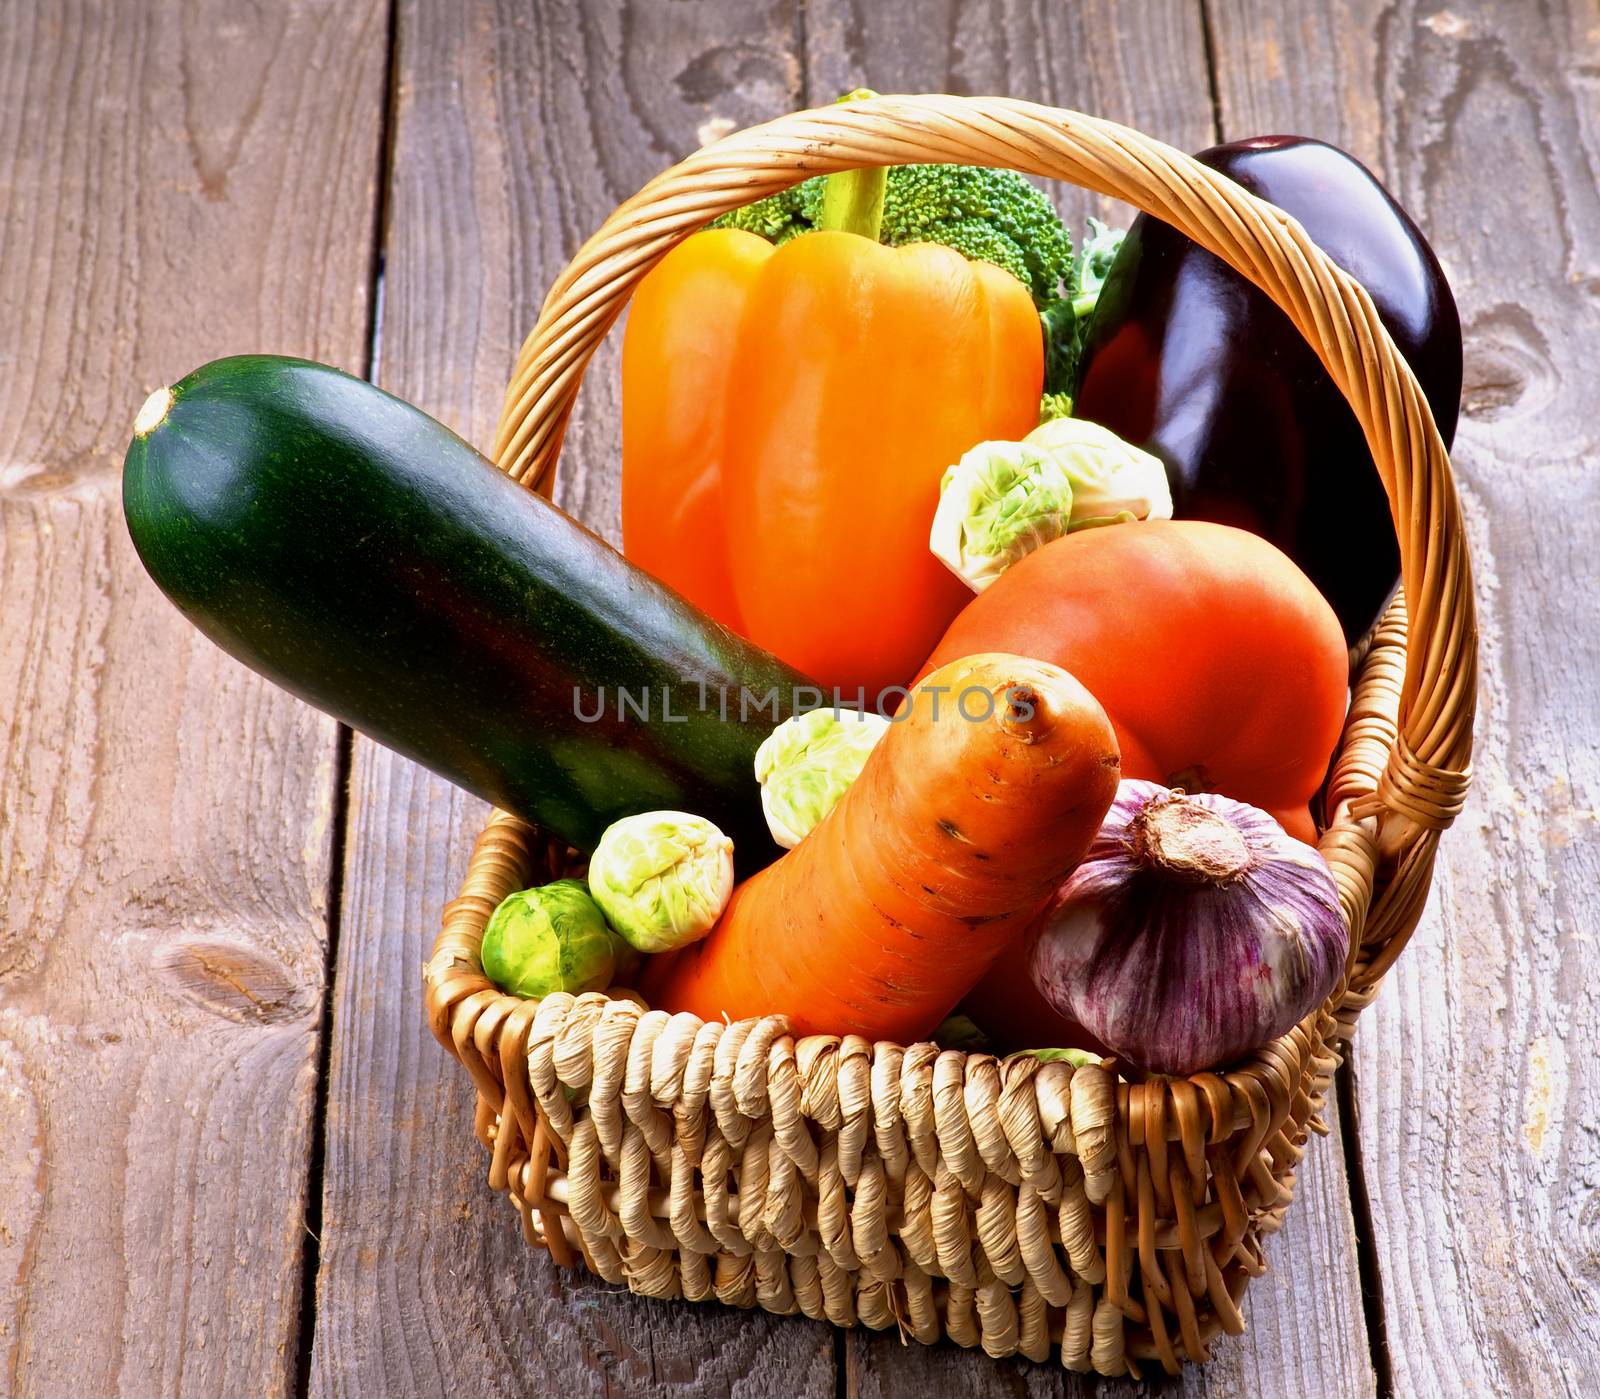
(852, 200)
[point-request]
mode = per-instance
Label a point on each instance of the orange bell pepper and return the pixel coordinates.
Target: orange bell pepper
(788, 413)
(676, 364)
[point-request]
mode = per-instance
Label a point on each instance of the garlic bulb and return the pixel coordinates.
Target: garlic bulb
(1194, 931)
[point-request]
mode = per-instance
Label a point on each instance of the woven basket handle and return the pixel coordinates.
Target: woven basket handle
(1425, 780)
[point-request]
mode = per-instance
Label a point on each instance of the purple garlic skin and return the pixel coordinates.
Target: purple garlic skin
(1195, 931)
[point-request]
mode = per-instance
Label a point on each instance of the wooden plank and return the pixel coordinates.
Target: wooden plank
(176, 182)
(1141, 64)
(1144, 65)
(1476, 1068)
(518, 129)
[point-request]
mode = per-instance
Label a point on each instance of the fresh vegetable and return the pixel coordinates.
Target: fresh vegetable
(662, 878)
(808, 762)
(1194, 931)
(679, 357)
(1000, 501)
(788, 412)
(539, 941)
(789, 404)
(1005, 499)
(986, 215)
(1111, 479)
(1187, 358)
(1220, 666)
(983, 794)
(355, 551)
(1066, 320)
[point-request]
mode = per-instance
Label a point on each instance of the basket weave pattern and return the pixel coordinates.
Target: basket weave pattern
(1002, 1202)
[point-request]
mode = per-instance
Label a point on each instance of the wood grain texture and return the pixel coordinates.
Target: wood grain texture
(1142, 64)
(176, 183)
(1149, 69)
(1476, 1068)
(517, 130)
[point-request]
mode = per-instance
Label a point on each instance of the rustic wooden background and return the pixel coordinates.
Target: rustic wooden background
(231, 1159)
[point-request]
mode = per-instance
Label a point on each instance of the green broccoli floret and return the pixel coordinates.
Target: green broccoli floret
(778, 217)
(1066, 321)
(1100, 247)
(986, 215)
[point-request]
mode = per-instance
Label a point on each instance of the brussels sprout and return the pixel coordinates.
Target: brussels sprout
(539, 941)
(1000, 501)
(662, 878)
(807, 763)
(1003, 500)
(1111, 479)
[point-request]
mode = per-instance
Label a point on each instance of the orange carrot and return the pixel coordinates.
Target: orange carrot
(980, 799)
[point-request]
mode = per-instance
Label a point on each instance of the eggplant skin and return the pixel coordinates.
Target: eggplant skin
(1188, 359)
(359, 554)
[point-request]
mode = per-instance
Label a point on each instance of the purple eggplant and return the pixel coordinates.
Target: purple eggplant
(1187, 358)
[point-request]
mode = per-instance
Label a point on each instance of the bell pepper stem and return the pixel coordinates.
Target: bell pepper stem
(852, 200)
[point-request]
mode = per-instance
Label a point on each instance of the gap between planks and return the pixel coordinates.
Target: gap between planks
(1345, 1101)
(311, 1248)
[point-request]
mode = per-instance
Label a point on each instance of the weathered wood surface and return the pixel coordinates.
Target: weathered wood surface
(180, 182)
(517, 130)
(1477, 1087)
(176, 182)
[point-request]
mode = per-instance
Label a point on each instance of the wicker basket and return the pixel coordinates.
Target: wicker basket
(999, 1202)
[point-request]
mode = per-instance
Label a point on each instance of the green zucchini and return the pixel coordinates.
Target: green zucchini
(365, 558)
